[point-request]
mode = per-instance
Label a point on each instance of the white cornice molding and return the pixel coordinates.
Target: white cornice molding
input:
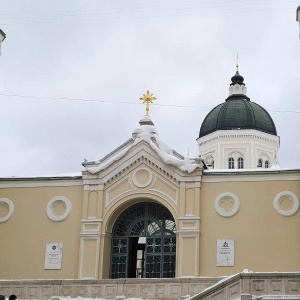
(242, 133)
(251, 175)
(40, 182)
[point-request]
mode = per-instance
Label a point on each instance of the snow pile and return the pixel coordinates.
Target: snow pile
(81, 298)
(276, 297)
(148, 134)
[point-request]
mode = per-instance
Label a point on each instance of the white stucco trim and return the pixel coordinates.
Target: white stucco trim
(136, 180)
(247, 143)
(238, 133)
(50, 212)
(280, 209)
(82, 256)
(11, 209)
(246, 175)
(32, 182)
(235, 208)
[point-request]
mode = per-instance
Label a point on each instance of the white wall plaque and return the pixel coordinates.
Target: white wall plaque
(225, 253)
(53, 256)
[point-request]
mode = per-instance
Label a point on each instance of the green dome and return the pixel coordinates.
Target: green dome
(237, 112)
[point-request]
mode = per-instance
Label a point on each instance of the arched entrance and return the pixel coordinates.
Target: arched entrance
(144, 243)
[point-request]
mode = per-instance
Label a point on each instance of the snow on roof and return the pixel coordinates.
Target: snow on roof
(58, 176)
(148, 134)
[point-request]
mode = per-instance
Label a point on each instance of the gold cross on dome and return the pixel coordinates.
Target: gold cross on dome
(147, 98)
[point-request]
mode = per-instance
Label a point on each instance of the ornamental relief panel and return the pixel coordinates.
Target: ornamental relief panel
(189, 202)
(58, 208)
(236, 154)
(227, 204)
(92, 204)
(165, 188)
(118, 190)
(142, 180)
(286, 203)
(6, 209)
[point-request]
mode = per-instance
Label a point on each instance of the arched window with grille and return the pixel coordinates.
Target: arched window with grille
(231, 163)
(144, 243)
(240, 163)
(267, 164)
(259, 163)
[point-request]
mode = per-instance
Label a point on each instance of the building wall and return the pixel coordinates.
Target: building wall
(25, 235)
(264, 239)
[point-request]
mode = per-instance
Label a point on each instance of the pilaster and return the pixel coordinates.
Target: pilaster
(91, 228)
(188, 233)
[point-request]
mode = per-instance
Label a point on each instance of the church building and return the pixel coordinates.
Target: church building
(146, 211)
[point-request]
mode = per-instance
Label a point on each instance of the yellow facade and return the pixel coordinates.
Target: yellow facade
(265, 238)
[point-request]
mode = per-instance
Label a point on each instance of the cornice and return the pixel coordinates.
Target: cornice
(251, 175)
(221, 134)
(26, 182)
(140, 156)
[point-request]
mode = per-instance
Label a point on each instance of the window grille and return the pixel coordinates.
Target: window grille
(240, 163)
(156, 256)
(230, 163)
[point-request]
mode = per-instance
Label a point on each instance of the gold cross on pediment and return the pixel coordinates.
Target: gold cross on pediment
(148, 98)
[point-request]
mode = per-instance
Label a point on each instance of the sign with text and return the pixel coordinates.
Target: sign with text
(225, 253)
(53, 256)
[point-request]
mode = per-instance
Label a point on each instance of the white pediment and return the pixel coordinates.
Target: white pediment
(136, 156)
(144, 147)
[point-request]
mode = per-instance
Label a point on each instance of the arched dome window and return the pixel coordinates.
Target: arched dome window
(231, 163)
(267, 164)
(260, 163)
(240, 163)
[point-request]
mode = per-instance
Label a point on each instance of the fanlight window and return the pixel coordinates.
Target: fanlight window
(240, 163)
(144, 243)
(230, 163)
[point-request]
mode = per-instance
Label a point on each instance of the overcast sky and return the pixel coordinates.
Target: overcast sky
(184, 52)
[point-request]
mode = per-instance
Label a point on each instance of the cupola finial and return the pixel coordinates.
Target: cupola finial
(237, 86)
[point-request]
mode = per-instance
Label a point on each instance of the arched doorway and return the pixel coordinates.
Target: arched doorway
(144, 243)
